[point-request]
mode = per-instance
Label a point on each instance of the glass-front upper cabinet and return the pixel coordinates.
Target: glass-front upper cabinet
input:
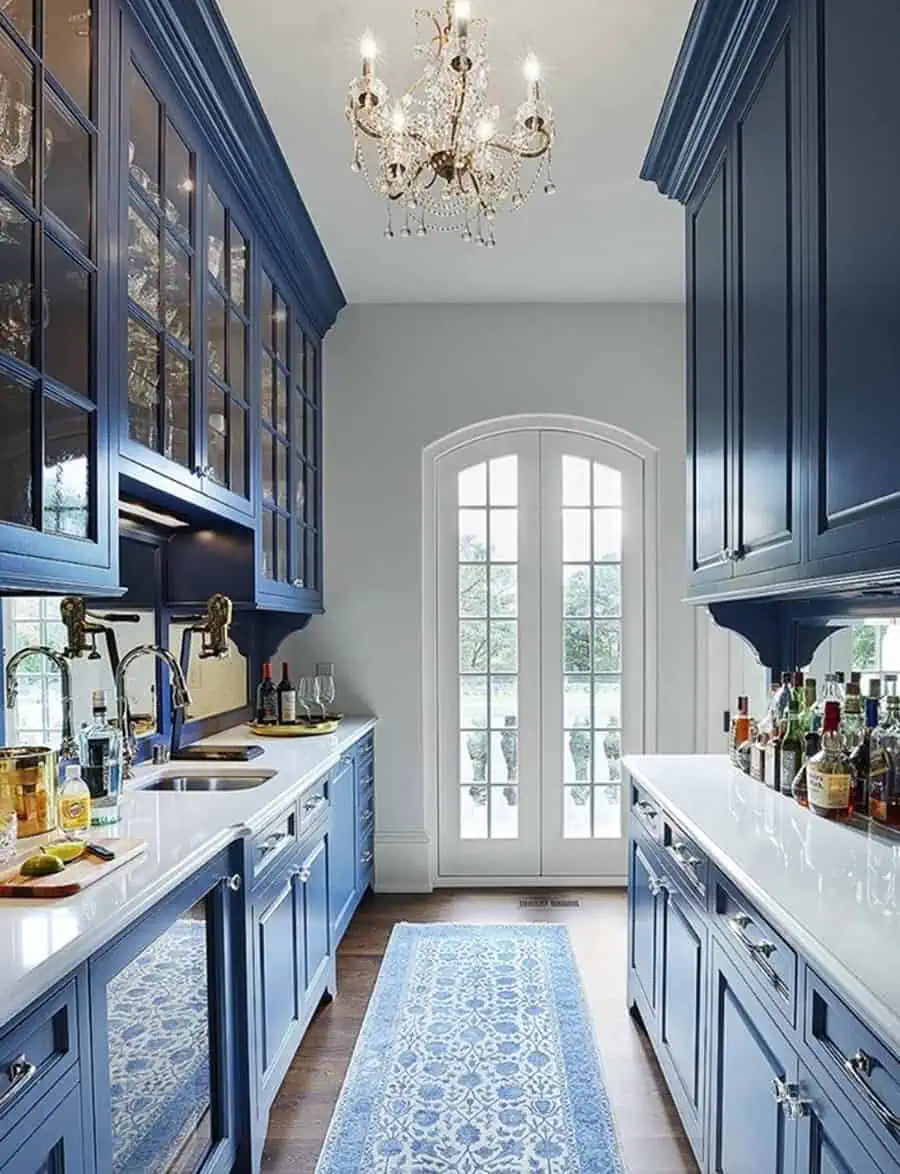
(289, 381)
(54, 499)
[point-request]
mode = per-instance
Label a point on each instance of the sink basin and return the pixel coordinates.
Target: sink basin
(231, 782)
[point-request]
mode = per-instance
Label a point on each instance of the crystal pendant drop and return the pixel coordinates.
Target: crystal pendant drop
(404, 232)
(422, 230)
(549, 188)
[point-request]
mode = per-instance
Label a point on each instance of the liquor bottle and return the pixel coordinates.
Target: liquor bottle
(853, 722)
(798, 688)
(870, 760)
(792, 746)
(74, 803)
(100, 745)
(874, 693)
(783, 697)
(839, 690)
(884, 791)
(856, 679)
(812, 745)
(829, 774)
(809, 708)
(266, 698)
(287, 697)
(739, 732)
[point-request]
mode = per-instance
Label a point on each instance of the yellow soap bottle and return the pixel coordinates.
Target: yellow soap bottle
(74, 803)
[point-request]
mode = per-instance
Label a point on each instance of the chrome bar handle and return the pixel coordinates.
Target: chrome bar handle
(313, 804)
(788, 1098)
(760, 952)
(858, 1067)
(20, 1073)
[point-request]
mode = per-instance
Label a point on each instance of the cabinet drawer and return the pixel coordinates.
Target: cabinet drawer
(752, 938)
(646, 812)
(365, 754)
(366, 815)
(687, 858)
(35, 1054)
(864, 1070)
(314, 803)
(275, 843)
(365, 864)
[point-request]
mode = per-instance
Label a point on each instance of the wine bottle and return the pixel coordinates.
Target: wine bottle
(267, 698)
(287, 697)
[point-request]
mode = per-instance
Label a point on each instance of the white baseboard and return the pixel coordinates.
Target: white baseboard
(403, 862)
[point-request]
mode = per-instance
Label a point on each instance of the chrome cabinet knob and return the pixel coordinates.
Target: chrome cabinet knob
(233, 882)
(298, 583)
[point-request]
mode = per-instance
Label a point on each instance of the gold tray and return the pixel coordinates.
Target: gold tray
(299, 729)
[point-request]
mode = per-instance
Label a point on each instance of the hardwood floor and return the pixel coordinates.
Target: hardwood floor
(649, 1131)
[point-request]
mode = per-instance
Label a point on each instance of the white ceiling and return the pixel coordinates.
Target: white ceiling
(606, 236)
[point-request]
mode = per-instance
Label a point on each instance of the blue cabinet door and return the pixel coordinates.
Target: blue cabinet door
(51, 1141)
(855, 352)
(313, 889)
(826, 1143)
(643, 888)
(749, 1131)
(343, 846)
(279, 981)
(682, 1006)
(768, 487)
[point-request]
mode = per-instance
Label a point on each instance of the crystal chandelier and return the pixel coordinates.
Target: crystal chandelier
(438, 155)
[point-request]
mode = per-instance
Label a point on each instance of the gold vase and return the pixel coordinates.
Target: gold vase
(28, 782)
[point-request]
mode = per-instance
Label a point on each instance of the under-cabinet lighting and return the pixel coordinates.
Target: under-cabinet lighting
(134, 509)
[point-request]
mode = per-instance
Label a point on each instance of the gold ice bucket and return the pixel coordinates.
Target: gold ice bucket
(28, 783)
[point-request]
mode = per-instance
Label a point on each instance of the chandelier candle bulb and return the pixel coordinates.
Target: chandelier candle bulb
(462, 14)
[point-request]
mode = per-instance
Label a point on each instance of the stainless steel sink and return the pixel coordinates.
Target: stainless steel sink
(230, 782)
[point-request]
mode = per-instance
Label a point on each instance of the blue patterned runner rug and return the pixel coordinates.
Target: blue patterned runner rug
(476, 1056)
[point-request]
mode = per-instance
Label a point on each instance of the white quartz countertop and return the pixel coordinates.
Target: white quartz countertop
(833, 890)
(41, 941)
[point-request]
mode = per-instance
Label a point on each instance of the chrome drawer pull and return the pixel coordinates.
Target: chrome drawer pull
(314, 803)
(20, 1072)
(857, 1068)
(682, 854)
(366, 858)
(786, 1095)
(760, 952)
(657, 885)
(648, 810)
(303, 875)
(367, 816)
(272, 842)
(233, 882)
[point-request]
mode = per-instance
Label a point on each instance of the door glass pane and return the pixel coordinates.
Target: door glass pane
(473, 536)
(592, 649)
(504, 813)
(67, 448)
(473, 599)
(18, 138)
(143, 262)
(178, 408)
(67, 329)
(473, 813)
(281, 475)
(279, 313)
(217, 432)
(178, 293)
(67, 168)
(16, 288)
(160, 1053)
(281, 394)
(268, 390)
(215, 227)
(268, 544)
(268, 465)
(472, 483)
(238, 454)
(238, 279)
(504, 526)
(143, 149)
(504, 478)
(20, 13)
(143, 385)
(267, 311)
(179, 182)
(281, 543)
(215, 332)
(67, 47)
(237, 355)
(15, 427)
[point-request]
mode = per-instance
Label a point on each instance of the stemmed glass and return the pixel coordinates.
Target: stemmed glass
(327, 693)
(308, 694)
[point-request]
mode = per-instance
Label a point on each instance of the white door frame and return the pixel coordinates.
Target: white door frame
(431, 457)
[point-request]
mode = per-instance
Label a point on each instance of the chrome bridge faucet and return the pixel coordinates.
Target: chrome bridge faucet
(181, 697)
(69, 747)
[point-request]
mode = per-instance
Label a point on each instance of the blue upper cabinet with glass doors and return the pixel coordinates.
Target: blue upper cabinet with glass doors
(56, 517)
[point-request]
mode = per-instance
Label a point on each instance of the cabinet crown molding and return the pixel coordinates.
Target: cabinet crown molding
(717, 49)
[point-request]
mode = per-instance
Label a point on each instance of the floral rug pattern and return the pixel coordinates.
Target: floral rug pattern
(476, 1057)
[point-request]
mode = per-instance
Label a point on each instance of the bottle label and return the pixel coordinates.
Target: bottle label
(772, 768)
(288, 705)
(75, 813)
(270, 707)
(790, 764)
(758, 762)
(829, 791)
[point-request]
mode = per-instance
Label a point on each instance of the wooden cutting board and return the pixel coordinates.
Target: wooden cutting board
(78, 875)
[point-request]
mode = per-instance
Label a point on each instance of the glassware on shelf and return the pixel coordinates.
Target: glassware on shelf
(327, 692)
(308, 695)
(884, 794)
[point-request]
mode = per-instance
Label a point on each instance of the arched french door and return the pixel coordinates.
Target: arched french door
(540, 616)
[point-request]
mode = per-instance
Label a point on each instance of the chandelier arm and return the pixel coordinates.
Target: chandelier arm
(521, 153)
(457, 114)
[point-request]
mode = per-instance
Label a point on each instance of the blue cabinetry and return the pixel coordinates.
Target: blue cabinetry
(52, 1143)
(344, 845)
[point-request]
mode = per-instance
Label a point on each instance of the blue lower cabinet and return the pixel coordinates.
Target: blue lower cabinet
(643, 894)
(278, 959)
(343, 846)
(51, 1140)
(318, 962)
(166, 1079)
(754, 1075)
(682, 1007)
(826, 1144)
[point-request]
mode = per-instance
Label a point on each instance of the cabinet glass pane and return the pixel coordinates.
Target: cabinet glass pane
(281, 541)
(179, 182)
(158, 1016)
(215, 332)
(238, 280)
(279, 315)
(237, 356)
(311, 575)
(143, 385)
(299, 490)
(178, 293)
(67, 46)
(178, 408)
(67, 168)
(67, 321)
(268, 465)
(268, 544)
(67, 447)
(18, 138)
(238, 455)
(298, 356)
(268, 390)
(281, 477)
(16, 289)
(310, 439)
(143, 262)
(15, 426)
(143, 147)
(266, 312)
(281, 399)
(20, 14)
(215, 228)
(312, 373)
(217, 432)
(311, 496)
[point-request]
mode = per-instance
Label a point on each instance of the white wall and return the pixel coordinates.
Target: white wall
(398, 378)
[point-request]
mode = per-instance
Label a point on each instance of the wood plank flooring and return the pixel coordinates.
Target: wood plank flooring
(649, 1130)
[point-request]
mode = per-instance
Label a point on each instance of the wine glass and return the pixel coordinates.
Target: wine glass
(308, 694)
(327, 692)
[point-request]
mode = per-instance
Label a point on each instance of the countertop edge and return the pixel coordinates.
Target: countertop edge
(864, 1002)
(34, 986)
